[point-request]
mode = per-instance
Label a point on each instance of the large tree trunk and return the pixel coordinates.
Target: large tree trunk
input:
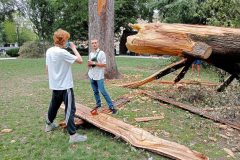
(216, 45)
(101, 27)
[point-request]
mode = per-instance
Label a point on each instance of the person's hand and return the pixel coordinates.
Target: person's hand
(72, 45)
(91, 63)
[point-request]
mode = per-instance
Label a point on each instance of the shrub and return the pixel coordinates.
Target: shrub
(33, 49)
(13, 52)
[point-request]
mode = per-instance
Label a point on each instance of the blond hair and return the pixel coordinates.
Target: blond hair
(60, 37)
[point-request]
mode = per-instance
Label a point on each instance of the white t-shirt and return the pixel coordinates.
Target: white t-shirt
(97, 73)
(59, 62)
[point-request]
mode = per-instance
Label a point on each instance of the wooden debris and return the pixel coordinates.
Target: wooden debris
(145, 119)
(229, 152)
(193, 110)
(168, 69)
(6, 130)
(190, 82)
(137, 136)
(121, 101)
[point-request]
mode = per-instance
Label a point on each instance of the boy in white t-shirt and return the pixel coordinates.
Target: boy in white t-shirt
(58, 65)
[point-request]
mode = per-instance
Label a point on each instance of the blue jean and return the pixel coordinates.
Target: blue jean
(98, 85)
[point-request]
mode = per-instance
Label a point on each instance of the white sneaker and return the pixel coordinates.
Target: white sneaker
(77, 138)
(50, 127)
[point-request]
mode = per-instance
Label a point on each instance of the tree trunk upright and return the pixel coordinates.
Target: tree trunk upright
(101, 27)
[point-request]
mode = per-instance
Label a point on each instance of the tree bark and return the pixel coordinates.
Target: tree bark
(101, 27)
(216, 45)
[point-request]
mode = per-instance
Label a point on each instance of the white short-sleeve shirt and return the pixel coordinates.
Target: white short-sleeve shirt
(97, 73)
(59, 63)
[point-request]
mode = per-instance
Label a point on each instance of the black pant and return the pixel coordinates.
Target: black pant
(66, 96)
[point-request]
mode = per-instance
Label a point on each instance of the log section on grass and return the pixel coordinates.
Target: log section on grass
(137, 136)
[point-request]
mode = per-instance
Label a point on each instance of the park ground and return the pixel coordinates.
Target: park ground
(24, 100)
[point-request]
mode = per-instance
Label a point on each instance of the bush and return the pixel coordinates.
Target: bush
(33, 49)
(13, 52)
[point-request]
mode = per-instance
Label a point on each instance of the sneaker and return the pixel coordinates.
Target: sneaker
(113, 110)
(50, 127)
(95, 110)
(77, 138)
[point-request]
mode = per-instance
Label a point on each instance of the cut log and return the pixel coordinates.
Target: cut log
(216, 45)
(146, 119)
(137, 136)
(189, 108)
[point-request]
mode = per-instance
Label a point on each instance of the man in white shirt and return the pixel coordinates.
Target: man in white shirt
(97, 64)
(58, 65)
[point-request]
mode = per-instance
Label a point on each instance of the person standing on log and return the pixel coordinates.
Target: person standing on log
(97, 64)
(198, 63)
(58, 66)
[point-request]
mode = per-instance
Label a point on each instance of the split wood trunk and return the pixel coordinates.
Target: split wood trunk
(137, 136)
(216, 45)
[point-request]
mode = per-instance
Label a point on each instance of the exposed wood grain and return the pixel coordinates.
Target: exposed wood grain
(137, 136)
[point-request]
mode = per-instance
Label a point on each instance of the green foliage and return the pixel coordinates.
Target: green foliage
(124, 13)
(13, 52)
(213, 12)
(33, 49)
(222, 12)
(10, 32)
(72, 15)
(7, 8)
(26, 35)
(42, 15)
(127, 11)
(178, 11)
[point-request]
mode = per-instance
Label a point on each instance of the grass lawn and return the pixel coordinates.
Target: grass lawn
(25, 96)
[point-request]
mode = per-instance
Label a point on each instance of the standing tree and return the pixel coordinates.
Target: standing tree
(101, 26)
(41, 14)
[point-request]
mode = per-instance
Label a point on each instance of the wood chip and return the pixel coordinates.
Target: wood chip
(223, 136)
(6, 130)
(212, 139)
(229, 152)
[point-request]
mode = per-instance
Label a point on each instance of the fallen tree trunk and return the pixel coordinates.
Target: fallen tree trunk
(216, 45)
(197, 111)
(181, 39)
(137, 136)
